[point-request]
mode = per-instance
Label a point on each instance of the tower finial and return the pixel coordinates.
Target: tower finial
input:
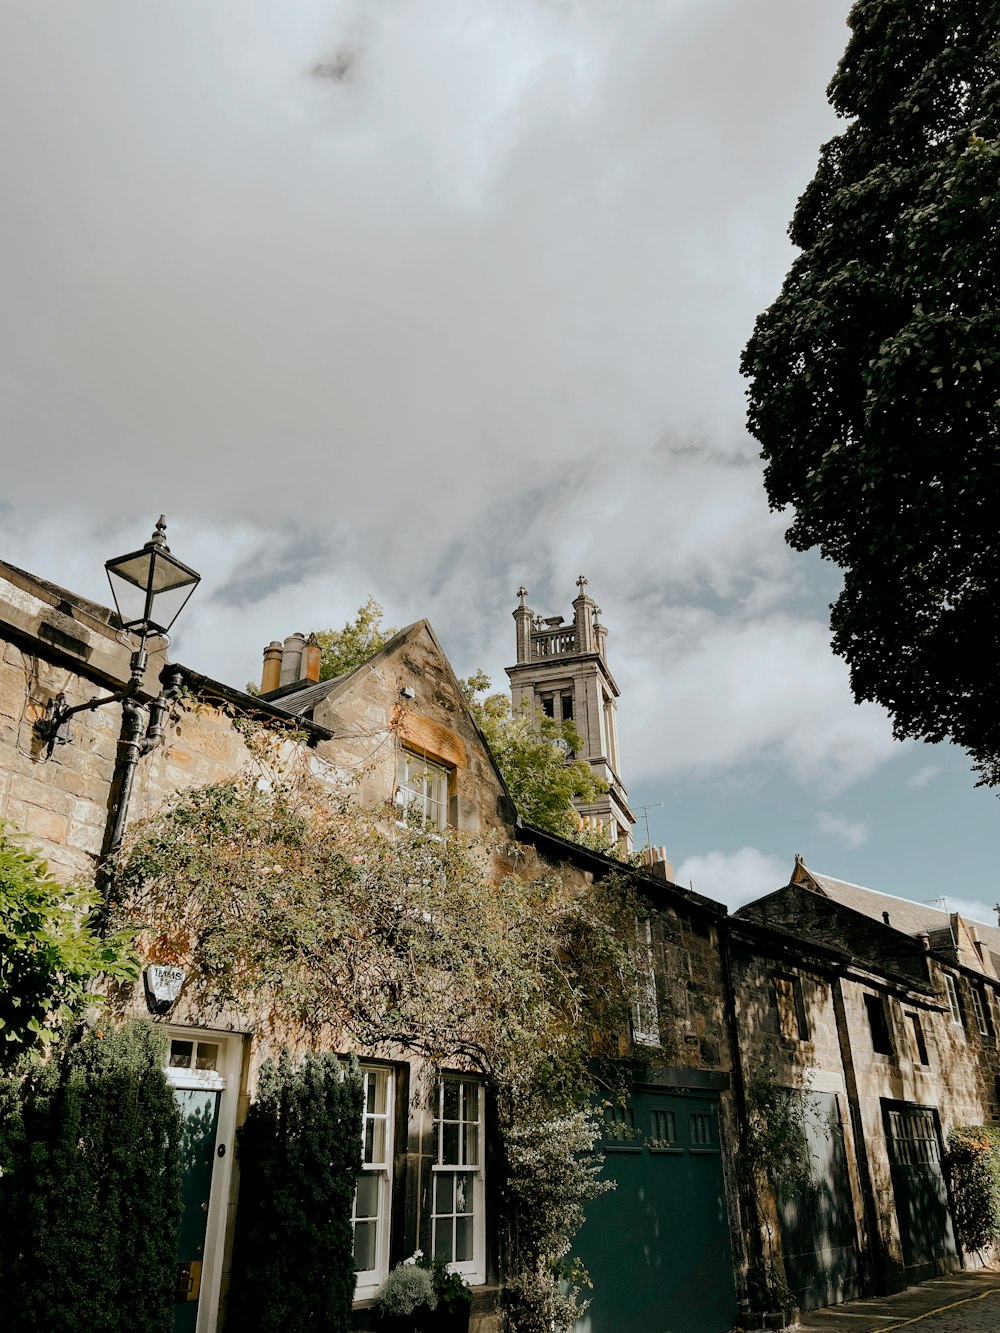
(581, 582)
(522, 595)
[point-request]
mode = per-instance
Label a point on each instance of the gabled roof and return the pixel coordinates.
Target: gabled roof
(948, 932)
(302, 697)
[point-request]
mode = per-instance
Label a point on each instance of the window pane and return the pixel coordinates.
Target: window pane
(449, 1145)
(463, 1194)
(208, 1055)
(444, 1193)
(463, 1239)
(180, 1054)
(375, 1141)
(366, 1202)
(451, 1101)
(471, 1101)
(471, 1145)
(442, 1240)
(364, 1246)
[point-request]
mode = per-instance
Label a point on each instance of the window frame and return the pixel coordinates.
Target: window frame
(954, 1002)
(473, 1269)
(645, 1003)
(918, 1039)
(878, 1017)
(368, 1280)
(793, 1022)
(981, 1010)
(413, 803)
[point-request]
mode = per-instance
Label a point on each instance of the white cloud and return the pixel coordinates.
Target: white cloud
(923, 776)
(853, 832)
(734, 878)
(716, 691)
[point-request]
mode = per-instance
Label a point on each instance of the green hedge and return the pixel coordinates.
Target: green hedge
(90, 1188)
(973, 1163)
(299, 1156)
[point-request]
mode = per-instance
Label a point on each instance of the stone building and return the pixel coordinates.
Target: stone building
(398, 732)
(562, 671)
(881, 1014)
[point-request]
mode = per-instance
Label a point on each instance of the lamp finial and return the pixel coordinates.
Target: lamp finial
(159, 537)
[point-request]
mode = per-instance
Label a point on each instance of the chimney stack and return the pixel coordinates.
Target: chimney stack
(271, 676)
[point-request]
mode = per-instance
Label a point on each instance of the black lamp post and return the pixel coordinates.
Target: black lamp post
(150, 587)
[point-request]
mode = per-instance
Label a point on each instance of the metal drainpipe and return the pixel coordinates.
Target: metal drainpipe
(739, 1092)
(133, 741)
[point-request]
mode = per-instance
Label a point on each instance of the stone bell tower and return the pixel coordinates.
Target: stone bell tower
(562, 671)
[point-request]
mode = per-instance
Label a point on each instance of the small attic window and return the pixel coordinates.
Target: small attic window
(548, 705)
(567, 707)
(422, 791)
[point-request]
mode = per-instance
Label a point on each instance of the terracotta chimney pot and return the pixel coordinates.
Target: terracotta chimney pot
(312, 656)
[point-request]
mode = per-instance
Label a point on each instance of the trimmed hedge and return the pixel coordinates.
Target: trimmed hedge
(300, 1156)
(973, 1163)
(90, 1188)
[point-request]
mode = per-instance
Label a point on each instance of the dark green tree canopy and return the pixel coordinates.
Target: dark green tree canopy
(875, 389)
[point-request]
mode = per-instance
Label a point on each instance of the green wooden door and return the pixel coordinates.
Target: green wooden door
(200, 1110)
(819, 1239)
(914, 1142)
(657, 1247)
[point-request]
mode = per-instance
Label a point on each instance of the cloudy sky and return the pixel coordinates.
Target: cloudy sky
(429, 298)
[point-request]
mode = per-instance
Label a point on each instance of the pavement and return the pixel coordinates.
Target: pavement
(958, 1303)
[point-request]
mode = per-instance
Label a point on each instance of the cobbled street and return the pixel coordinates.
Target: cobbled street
(960, 1303)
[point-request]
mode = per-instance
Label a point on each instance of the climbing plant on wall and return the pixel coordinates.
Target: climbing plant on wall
(345, 934)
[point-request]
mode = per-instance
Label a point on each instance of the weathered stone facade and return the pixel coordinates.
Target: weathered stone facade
(356, 731)
(879, 1031)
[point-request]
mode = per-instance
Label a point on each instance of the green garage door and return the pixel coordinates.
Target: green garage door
(819, 1239)
(657, 1247)
(913, 1138)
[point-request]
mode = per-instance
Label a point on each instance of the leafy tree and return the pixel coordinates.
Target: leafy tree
(90, 1187)
(876, 373)
(361, 638)
(50, 951)
(533, 754)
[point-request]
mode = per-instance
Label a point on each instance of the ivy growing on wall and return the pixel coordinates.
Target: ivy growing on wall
(341, 931)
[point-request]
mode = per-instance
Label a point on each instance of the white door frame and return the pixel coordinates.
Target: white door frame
(226, 1080)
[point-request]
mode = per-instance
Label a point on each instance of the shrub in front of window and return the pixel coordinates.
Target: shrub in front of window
(300, 1156)
(90, 1188)
(973, 1166)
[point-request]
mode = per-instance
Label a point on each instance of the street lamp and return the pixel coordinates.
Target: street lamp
(150, 587)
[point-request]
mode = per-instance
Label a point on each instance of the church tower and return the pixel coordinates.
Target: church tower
(562, 671)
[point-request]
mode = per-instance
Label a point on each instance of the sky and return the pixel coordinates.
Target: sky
(426, 299)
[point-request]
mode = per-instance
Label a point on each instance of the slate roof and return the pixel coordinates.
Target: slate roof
(905, 915)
